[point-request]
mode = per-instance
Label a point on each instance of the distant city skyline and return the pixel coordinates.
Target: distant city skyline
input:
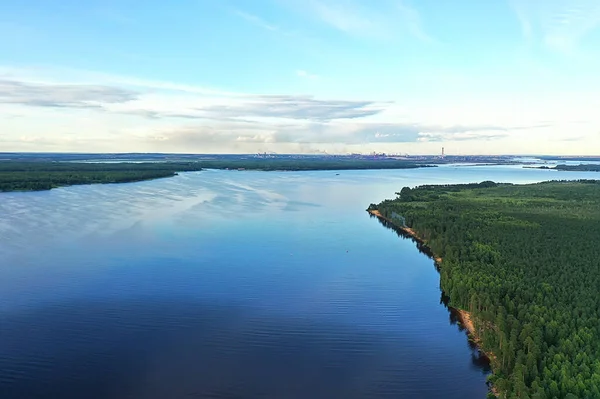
(301, 76)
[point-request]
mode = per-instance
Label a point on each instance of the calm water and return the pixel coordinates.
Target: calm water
(223, 284)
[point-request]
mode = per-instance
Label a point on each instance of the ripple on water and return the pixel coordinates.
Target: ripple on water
(227, 285)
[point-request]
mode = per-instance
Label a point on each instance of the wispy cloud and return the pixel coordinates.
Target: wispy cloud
(295, 107)
(49, 75)
(255, 20)
(344, 16)
(524, 20)
(557, 24)
(412, 18)
(62, 95)
(152, 105)
(386, 19)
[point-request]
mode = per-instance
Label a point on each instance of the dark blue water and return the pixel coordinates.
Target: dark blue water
(224, 284)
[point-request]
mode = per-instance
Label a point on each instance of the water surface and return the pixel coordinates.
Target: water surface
(227, 284)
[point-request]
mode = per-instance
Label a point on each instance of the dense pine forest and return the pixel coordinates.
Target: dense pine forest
(579, 168)
(34, 176)
(525, 261)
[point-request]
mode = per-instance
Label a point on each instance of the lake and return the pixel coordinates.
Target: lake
(229, 284)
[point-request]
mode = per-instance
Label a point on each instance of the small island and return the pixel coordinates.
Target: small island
(521, 264)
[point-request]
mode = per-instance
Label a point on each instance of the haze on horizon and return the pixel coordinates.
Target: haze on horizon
(301, 76)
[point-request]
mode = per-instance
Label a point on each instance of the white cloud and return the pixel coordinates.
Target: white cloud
(93, 112)
(192, 104)
(61, 95)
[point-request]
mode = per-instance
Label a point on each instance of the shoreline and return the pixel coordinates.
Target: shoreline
(407, 230)
(88, 184)
(464, 317)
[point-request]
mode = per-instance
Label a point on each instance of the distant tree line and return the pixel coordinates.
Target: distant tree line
(45, 175)
(304, 164)
(574, 168)
(525, 261)
(33, 176)
(579, 168)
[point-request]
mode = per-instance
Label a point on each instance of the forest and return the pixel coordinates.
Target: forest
(579, 168)
(17, 175)
(573, 168)
(301, 164)
(524, 260)
(35, 176)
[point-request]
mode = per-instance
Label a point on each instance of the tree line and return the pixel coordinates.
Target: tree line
(34, 176)
(44, 175)
(305, 164)
(574, 168)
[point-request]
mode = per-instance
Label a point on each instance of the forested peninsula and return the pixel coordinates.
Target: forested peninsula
(18, 175)
(523, 262)
(36, 176)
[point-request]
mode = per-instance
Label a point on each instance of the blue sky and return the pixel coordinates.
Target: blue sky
(496, 76)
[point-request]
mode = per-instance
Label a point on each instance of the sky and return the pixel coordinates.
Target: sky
(301, 76)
